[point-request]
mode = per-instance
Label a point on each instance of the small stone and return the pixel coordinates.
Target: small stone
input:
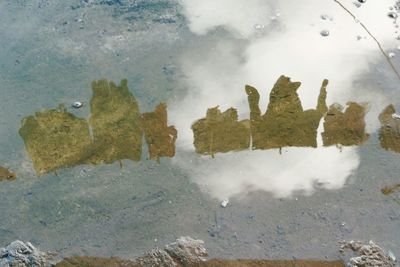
(259, 26)
(392, 15)
(324, 33)
(396, 116)
(391, 55)
(77, 104)
(224, 203)
(391, 256)
(326, 17)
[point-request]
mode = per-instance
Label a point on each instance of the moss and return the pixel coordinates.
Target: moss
(345, 128)
(285, 123)
(160, 137)
(6, 175)
(389, 134)
(220, 132)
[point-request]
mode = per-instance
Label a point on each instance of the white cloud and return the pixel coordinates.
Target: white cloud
(291, 45)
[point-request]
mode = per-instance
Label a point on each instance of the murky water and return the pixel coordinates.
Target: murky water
(298, 203)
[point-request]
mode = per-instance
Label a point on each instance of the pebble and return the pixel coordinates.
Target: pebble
(395, 116)
(324, 33)
(392, 15)
(77, 104)
(224, 203)
(259, 26)
(391, 55)
(326, 17)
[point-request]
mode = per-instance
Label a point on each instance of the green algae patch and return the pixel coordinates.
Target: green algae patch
(388, 190)
(160, 137)
(285, 123)
(220, 132)
(347, 127)
(389, 134)
(55, 139)
(116, 123)
(6, 175)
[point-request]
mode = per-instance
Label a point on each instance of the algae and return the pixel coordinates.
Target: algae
(6, 175)
(285, 123)
(345, 128)
(389, 134)
(220, 132)
(160, 137)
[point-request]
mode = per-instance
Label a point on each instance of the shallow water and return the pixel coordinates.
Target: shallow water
(51, 52)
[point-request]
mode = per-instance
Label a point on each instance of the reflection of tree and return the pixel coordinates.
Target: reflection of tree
(389, 134)
(284, 123)
(55, 138)
(159, 136)
(115, 122)
(220, 132)
(345, 128)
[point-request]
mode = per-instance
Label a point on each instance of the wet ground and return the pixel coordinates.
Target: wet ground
(51, 52)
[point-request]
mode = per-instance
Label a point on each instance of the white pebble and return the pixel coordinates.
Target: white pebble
(224, 203)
